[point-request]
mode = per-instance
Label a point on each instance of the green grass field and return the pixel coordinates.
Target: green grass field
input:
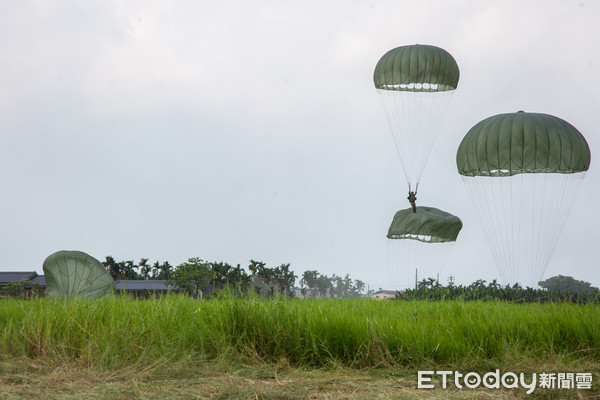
(388, 340)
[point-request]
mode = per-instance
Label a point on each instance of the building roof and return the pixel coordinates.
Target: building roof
(385, 292)
(154, 285)
(6, 277)
(151, 285)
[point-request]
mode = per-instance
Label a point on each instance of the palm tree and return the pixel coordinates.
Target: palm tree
(161, 271)
(144, 268)
(284, 278)
(309, 278)
(113, 268)
(128, 270)
(427, 283)
(323, 285)
(255, 266)
(479, 283)
(359, 286)
(220, 274)
(240, 279)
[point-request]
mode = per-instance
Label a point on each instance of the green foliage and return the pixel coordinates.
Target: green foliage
(193, 276)
(562, 283)
(430, 289)
(269, 281)
(324, 284)
(161, 271)
(23, 288)
(13, 289)
(128, 270)
(198, 278)
(284, 279)
(336, 286)
(309, 279)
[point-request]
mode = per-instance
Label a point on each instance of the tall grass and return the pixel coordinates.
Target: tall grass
(114, 332)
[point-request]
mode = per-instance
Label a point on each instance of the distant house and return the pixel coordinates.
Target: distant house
(8, 277)
(144, 288)
(38, 282)
(137, 288)
(41, 279)
(384, 294)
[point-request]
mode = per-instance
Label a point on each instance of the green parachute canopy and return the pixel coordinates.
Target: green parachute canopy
(516, 143)
(428, 224)
(416, 68)
(75, 274)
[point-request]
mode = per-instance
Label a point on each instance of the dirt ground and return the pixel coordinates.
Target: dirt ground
(28, 379)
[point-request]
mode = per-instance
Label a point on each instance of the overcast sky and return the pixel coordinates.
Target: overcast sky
(238, 130)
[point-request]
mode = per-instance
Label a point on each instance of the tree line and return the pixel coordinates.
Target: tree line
(555, 289)
(129, 270)
(201, 278)
(198, 277)
(315, 284)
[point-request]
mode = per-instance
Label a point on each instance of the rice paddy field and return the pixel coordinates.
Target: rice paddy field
(177, 347)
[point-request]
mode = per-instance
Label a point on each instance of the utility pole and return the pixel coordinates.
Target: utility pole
(416, 277)
(451, 280)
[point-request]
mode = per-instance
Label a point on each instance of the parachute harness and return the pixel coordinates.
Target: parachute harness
(412, 199)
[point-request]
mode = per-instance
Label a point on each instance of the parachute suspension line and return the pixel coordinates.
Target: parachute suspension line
(516, 228)
(540, 251)
(490, 211)
(523, 210)
(522, 189)
(532, 221)
(539, 257)
(564, 203)
(561, 203)
(432, 125)
(414, 119)
(522, 241)
(416, 188)
(536, 255)
(488, 202)
(404, 255)
(508, 230)
(481, 203)
(393, 108)
(551, 216)
(503, 243)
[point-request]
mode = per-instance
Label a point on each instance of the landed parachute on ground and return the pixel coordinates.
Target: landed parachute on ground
(415, 84)
(75, 274)
(420, 242)
(522, 172)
